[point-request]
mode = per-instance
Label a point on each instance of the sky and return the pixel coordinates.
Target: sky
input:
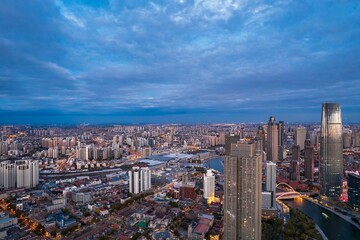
(178, 61)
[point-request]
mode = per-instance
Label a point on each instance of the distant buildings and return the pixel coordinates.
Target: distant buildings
(20, 174)
(309, 160)
(331, 145)
(139, 179)
(271, 182)
(209, 184)
(354, 190)
(242, 200)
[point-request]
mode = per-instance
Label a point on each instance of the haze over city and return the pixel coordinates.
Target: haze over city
(177, 61)
(179, 119)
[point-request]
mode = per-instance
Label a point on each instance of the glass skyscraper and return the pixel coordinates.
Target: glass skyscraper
(331, 157)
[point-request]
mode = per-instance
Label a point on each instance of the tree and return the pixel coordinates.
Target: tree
(39, 230)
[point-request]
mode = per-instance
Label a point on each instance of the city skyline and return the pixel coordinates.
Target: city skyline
(106, 62)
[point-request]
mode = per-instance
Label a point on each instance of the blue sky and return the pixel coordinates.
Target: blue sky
(177, 61)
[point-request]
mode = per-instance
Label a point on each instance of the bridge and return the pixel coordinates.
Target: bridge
(287, 195)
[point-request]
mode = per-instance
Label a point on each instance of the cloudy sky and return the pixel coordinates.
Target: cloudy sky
(128, 61)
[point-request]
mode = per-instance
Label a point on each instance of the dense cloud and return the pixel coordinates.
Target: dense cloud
(177, 61)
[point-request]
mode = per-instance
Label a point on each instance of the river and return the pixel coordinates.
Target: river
(215, 163)
(334, 227)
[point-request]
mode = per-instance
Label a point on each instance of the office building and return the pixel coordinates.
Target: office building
(271, 181)
(272, 150)
(242, 189)
(139, 179)
(309, 160)
(354, 191)
(295, 164)
(300, 137)
(209, 184)
(331, 157)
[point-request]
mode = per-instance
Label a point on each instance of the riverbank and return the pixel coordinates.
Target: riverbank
(344, 217)
(321, 232)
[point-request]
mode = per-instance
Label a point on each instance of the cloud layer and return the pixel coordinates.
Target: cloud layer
(186, 61)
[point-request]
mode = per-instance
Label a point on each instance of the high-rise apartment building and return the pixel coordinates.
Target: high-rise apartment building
(20, 174)
(300, 137)
(271, 181)
(145, 179)
(354, 190)
(242, 199)
(209, 184)
(139, 179)
(331, 157)
(309, 160)
(295, 164)
(272, 150)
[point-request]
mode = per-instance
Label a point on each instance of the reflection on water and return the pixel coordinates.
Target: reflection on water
(333, 226)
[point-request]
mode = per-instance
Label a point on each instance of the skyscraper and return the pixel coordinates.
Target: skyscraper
(271, 181)
(272, 141)
(281, 140)
(309, 160)
(331, 158)
(300, 137)
(242, 200)
(295, 164)
(209, 184)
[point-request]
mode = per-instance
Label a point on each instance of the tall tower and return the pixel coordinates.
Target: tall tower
(331, 157)
(272, 141)
(242, 200)
(271, 181)
(309, 160)
(209, 184)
